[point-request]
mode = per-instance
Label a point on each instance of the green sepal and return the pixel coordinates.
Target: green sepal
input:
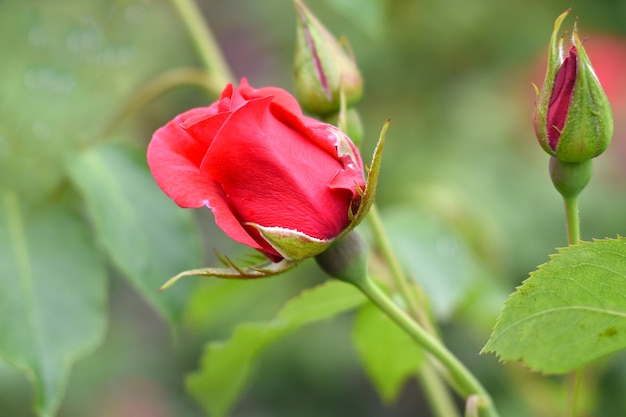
(555, 58)
(265, 269)
(369, 194)
(292, 244)
(589, 125)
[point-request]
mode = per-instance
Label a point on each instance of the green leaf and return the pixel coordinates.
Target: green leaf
(53, 296)
(389, 356)
(78, 62)
(147, 236)
(227, 367)
(570, 311)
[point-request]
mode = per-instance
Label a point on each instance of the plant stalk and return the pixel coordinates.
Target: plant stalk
(430, 376)
(204, 41)
(573, 221)
(573, 238)
(465, 380)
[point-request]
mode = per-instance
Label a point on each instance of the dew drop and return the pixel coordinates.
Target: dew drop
(49, 79)
(135, 14)
(85, 38)
(41, 130)
(118, 56)
(37, 37)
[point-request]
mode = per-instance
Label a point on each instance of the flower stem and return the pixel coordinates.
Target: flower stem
(573, 238)
(156, 87)
(466, 381)
(205, 42)
(398, 276)
(574, 387)
(436, 392)
(573, 221)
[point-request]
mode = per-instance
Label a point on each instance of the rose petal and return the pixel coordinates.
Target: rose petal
(280, 97)
(561, 97)
(275, 176)
(174, 157)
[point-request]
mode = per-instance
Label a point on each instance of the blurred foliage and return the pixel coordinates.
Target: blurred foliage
(455, 78)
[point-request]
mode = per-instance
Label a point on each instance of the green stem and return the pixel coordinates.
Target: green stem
(573, 221)
(205, 42)
(574, 388)
(573, 238)
(398, 276)
(466, 381)
(156, 87)
(436, 392)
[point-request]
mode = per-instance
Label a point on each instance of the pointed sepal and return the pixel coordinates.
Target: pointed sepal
(292, 244)
(233, 271)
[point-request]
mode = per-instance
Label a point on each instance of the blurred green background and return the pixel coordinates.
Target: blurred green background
(464, 185)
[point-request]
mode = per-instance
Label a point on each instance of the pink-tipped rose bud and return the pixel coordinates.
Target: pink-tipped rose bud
(276, 180)
(323, 70)
(573, 119)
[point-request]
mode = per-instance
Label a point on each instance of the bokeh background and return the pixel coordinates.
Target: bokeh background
(464, 186)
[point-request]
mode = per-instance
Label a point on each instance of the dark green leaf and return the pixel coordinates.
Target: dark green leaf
(69, 67)
(147, 236)
(389, 356)
(53, 296)
(226, 367)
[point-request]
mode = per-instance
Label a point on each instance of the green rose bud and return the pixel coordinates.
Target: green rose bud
(323, 70)
(573, 120)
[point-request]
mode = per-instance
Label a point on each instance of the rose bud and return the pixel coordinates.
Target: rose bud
(323, 70)
(276, 180)
(573, 120)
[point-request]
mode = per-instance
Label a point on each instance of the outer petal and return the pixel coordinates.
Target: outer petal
(561, 97)
(274, 176)
(280, 97)
(174, 158)
(350, 178)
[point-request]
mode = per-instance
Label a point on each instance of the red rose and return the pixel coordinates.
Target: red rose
(276, 180)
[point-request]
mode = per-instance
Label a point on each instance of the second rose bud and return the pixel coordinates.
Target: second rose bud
(323, 69)
(573, 119)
